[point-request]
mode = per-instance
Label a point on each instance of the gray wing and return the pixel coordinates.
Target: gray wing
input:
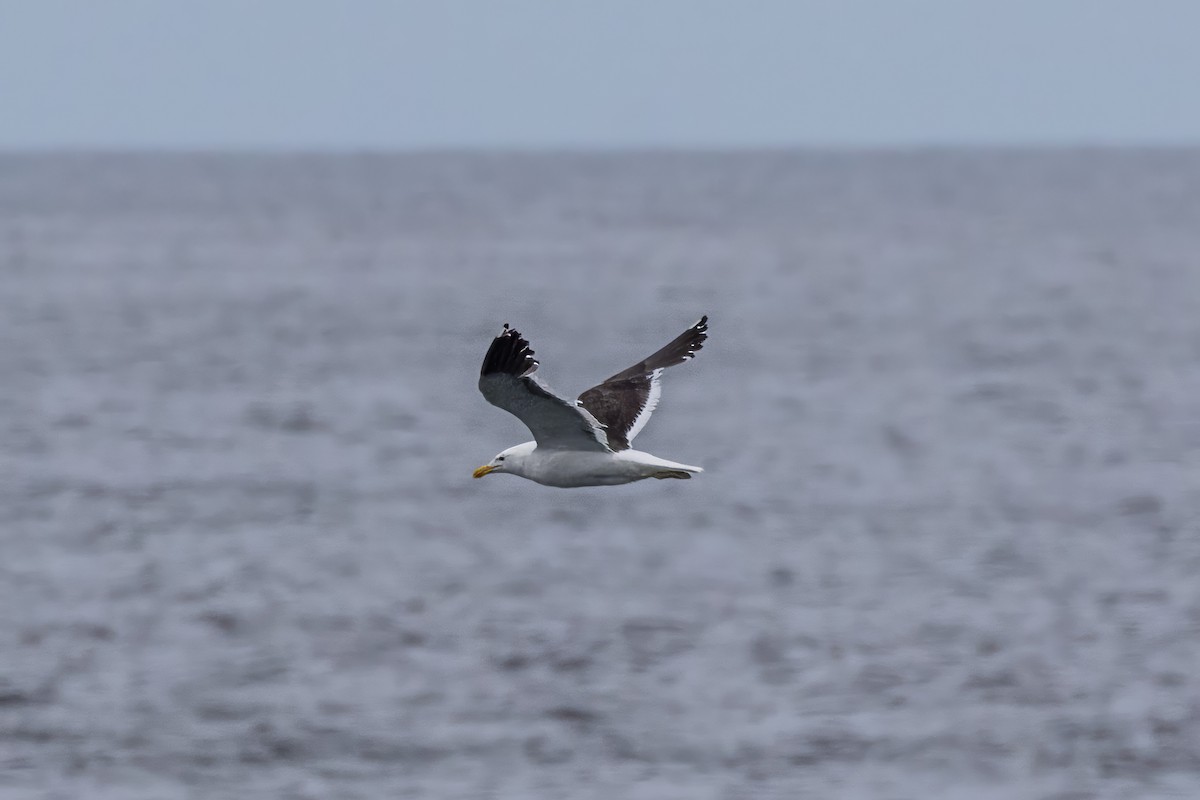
(624, 402)
(506, 380)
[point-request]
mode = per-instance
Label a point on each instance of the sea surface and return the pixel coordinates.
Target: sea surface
(947, 544)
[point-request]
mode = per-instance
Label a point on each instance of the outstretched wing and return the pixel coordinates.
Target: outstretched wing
(624, 402)
(507, 381)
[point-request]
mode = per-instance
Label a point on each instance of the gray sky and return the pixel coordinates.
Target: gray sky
(300, 74)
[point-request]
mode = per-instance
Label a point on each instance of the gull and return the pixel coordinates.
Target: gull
(585, 442)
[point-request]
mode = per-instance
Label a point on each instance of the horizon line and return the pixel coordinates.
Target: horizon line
(518, 150)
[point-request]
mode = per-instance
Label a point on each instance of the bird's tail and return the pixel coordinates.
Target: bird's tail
(672, 469)
(673, 473)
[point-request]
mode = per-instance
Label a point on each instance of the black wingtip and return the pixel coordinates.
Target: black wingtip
(699, 333)
(510, 354)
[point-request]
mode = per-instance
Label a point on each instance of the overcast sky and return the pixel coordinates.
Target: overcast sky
(300, 74)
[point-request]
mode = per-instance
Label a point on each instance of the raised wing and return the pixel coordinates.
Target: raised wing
(507, 381)
(624, 402)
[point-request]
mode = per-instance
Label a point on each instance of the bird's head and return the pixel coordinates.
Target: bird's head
(509, 460)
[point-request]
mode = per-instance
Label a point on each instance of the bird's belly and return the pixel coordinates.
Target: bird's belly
(574, 468)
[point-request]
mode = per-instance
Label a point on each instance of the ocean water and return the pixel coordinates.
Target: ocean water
(947, 544)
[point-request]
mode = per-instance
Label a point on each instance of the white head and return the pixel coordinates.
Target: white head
(511, 460)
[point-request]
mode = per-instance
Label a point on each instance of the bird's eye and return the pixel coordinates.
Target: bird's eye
(500, 458)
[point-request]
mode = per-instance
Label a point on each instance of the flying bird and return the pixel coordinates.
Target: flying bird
(585, 442)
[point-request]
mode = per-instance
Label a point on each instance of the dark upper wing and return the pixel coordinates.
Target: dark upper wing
(507, 381)
(624, 402)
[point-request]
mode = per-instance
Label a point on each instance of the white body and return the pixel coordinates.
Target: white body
(570, 468)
